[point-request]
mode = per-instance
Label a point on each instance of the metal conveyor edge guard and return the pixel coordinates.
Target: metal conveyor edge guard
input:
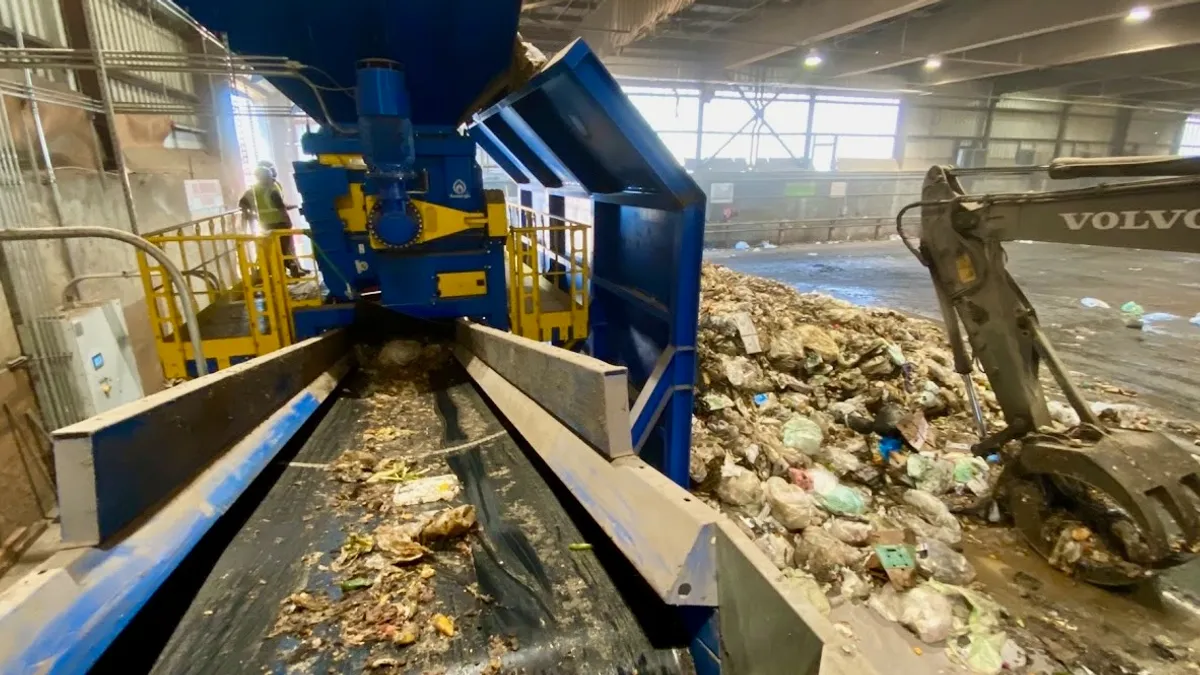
(688, 553)
(61, 617)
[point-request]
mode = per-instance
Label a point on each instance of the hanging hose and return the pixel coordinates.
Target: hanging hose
(189, 305)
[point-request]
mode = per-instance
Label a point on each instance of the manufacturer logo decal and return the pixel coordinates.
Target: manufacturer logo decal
(1132, 220)
(459, 189)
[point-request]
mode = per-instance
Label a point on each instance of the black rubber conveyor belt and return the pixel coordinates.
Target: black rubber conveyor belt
(521, 597)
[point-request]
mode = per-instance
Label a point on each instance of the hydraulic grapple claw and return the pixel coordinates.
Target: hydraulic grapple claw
(1129, 477)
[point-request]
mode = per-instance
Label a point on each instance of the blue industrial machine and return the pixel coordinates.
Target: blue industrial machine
(405, 93)
(401, 209)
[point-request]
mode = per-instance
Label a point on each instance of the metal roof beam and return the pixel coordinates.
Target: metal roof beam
(782, 28)
(973, 24)
(1169, 28)
(1137, 86)
(1155, 62)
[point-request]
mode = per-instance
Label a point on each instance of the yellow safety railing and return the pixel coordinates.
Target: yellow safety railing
(549, 271)
(292, 293)
(241, 287)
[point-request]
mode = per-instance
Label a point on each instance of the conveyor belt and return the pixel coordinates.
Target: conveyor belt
(562, 606)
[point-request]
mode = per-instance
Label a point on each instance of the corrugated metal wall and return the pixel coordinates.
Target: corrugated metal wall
(125, 28)
(41, 20)
(120, 26)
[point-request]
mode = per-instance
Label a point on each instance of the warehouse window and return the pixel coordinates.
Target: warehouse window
(672, 113)
(1189, 143)
(846, 127)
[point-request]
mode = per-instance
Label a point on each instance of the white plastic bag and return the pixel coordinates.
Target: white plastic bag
(739, 486)
(794, 508)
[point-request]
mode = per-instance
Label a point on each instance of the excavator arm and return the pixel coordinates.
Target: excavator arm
(1128, 480)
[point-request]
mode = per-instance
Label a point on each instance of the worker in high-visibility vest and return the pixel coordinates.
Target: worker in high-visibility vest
(264, 200)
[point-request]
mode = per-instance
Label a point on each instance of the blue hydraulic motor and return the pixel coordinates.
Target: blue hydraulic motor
(386, 129)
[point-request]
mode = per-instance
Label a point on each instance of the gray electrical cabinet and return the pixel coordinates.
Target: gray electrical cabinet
(101, 364)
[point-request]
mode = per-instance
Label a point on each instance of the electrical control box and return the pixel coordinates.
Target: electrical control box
(101, 365)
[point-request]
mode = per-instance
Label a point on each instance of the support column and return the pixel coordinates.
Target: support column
(808, 131)
(1061, 134)
(1120, 133)
(901, 132)
(705, 94)
(556, 206)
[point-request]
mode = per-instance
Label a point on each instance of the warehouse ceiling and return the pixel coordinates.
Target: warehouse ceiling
(1142, 52)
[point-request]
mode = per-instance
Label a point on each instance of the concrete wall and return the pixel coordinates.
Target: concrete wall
(1017, 131)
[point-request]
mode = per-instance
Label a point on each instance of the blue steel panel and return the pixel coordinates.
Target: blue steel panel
(409, 282)
(314, 321)
(571, 122)
(507, 137)
(450, 49)
(508, 163)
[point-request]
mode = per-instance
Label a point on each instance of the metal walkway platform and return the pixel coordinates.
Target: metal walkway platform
(562, 606)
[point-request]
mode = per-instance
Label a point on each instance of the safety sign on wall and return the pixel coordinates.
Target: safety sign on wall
(204, 197)
(720, 193)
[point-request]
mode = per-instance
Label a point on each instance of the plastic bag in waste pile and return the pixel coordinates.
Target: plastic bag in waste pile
(744, 374)
(787, 350)
(794, 508)
(824, 556)
(739, 486)
(932, 509)
(923, 610)
(937, 560)
(778, 549)
(807, 587)
(930, 474)
(850, 531)
(833, 496)
(801, 433)
(399, 352)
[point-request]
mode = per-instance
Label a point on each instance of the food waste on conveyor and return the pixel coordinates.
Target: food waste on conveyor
(412, 533)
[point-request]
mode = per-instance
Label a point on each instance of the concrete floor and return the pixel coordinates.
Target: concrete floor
(1158, 362)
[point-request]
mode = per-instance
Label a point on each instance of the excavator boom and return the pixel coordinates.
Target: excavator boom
(1126, 480)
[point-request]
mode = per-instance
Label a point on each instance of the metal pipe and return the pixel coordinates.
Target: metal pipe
(1059, 371)
(69, 295)
(177, 278)
(89, 21)
(56, 204)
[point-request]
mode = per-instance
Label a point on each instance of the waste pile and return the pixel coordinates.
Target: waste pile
(839, 439)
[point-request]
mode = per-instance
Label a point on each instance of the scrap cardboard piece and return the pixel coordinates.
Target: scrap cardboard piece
(747, 332)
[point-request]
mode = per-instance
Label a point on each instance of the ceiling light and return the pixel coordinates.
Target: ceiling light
(933, 63)
(813, 59)
(1138, 14)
